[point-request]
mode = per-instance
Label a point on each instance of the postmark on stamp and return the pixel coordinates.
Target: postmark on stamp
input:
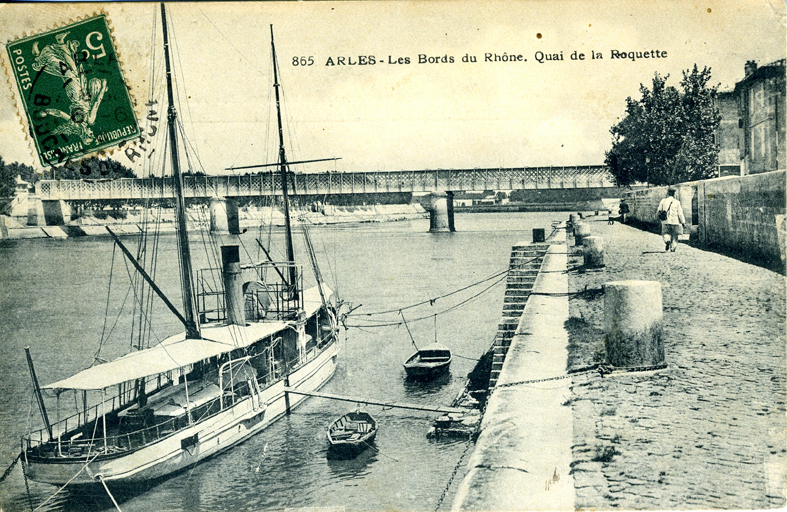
(72, 89)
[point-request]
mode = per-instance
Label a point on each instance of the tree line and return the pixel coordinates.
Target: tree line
(91, 168)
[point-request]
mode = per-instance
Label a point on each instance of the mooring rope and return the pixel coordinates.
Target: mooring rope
(87, 462)
(101, 479)
(431, 301)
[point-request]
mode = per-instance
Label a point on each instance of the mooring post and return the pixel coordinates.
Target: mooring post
(538, 235)
(581, 230)
(593, 250)
(633, 321)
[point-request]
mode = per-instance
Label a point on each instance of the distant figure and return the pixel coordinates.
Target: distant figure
(623, 211)
(670, 214)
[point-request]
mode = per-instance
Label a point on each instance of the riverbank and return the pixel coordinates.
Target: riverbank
(134, 221)
(708, 431)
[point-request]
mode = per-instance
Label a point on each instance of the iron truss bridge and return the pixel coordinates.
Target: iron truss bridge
(376, 182)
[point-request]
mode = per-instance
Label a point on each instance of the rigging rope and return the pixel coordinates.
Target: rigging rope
(106, 312)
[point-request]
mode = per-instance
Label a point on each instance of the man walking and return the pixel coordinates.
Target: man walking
(670, 214)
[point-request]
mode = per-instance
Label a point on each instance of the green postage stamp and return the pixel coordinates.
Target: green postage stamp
(72, 88)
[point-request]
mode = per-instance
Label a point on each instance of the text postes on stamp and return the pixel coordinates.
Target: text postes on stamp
(72, 89)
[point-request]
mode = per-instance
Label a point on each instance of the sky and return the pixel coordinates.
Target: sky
(396, 115)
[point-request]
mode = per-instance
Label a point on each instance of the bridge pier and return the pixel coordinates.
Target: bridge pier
(224, 216)
(55, 213)
(441, 212)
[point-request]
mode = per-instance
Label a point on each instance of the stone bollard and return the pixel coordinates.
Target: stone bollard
(572, 221)
(593, 250)
(581, 231)
(538, 235)
(633, 322)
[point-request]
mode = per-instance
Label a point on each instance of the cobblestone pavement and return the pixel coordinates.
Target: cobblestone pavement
(707, 432)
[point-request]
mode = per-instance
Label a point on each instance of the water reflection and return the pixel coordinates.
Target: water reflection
(351, 467)
(417, 388)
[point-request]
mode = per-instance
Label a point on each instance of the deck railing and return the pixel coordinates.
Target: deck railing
(78, 446)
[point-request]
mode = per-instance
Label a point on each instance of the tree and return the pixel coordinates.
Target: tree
(8, 174)
(667, 136)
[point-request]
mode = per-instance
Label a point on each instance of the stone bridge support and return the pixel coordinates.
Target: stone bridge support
(224, 216)
(441, 212)
(55, 213)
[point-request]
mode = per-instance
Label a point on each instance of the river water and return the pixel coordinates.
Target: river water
(53, 298)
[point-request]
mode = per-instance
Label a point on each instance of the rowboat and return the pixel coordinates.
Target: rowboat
(350, 434)
(428, 362)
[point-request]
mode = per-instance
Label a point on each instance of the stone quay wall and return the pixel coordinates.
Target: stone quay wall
(739, 214)
(523, 453)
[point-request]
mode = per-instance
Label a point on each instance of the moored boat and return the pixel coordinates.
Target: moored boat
(350, 434)
(428, 362)
(251, 332)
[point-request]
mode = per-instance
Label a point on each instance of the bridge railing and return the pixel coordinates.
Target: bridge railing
(268, 184)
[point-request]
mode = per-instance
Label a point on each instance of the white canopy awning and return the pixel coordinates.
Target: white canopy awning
(173, 353)
(177, 351)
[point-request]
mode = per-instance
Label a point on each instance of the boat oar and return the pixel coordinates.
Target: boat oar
(408, 330)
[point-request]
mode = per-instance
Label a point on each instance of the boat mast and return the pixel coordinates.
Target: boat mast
(192, 329)
(283, 163)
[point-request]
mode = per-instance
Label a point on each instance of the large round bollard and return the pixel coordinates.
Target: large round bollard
(593, 249)
(633, 322)
(581, 230)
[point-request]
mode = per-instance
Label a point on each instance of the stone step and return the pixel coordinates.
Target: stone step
(519, 284)
(519, 288)
(520, 276)
(523, 258)
(523, 268)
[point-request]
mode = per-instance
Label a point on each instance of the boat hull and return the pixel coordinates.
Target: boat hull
(349, 450)
(192, 444)
(426, 372)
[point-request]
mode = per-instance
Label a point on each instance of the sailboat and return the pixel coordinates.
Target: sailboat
(162, 409)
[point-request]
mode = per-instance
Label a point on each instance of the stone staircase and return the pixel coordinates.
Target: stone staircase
(524, 267)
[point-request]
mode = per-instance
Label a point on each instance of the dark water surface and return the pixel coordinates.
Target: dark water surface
(53, 298)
